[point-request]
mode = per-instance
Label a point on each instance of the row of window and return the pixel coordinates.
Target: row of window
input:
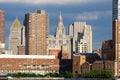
(36, 66)
(30, 71)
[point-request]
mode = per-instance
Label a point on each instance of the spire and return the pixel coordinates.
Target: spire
(60, 19)
(16, 22)
(60, 30)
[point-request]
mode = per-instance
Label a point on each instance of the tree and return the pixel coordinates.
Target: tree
(68, 75)
(95, 74)
(107, 74)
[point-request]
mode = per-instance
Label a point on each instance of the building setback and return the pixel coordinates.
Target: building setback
(59, 44)
(81, 34)
(36, 25)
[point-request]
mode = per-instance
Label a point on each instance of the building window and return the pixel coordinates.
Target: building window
(60, 41)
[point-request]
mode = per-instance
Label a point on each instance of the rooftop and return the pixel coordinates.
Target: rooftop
(29, 56)
(86, 54)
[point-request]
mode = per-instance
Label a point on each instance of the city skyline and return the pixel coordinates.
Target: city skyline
(76, 11)
(61, 45)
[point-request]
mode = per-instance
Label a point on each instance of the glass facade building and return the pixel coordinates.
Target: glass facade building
(116, 10)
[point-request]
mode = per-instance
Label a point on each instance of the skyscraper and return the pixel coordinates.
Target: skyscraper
(60, 40)
(2, 36)
(2, 25)
(81, 34)
(36, 25)
(116, 34)
(15, 36)
(116, 10)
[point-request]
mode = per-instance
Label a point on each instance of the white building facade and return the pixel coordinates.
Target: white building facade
(15, 36)
(81, 35)
(60, 38)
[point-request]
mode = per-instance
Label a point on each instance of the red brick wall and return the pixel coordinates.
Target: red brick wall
(55, 52)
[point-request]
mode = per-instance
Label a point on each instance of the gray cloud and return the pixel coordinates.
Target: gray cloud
(96, 13)
(53, 1)
(91, 15)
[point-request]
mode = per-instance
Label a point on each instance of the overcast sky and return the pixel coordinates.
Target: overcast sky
(97, 13)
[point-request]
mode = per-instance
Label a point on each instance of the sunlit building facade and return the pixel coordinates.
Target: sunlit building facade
(2, 36)
(36, 25)
(15, 36)
(116, 34)
(59, 39)
(81, 34)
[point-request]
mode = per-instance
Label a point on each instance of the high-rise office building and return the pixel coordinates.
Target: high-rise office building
(116, 10)
(59, 40)
(36, 25)
(2, 36)
(116, 34)
(15, 36)
(81, 34)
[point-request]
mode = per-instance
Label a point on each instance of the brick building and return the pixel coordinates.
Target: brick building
(77, 63)
(109, 65)
(56, 52)
(86, 67)
(107, 50)
(28, 64)
(21, 49)
(41, 64)
(2, 36)
(83, 62)
(2, 25)
(98, 66)
(36, 32)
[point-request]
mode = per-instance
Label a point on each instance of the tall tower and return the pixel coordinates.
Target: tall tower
(81, 34)
(60, 32)
(36, 25)
(2, 25)
(15, 36)
(116, 34)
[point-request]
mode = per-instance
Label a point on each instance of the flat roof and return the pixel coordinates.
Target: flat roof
(86, 54)
(29, 56)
